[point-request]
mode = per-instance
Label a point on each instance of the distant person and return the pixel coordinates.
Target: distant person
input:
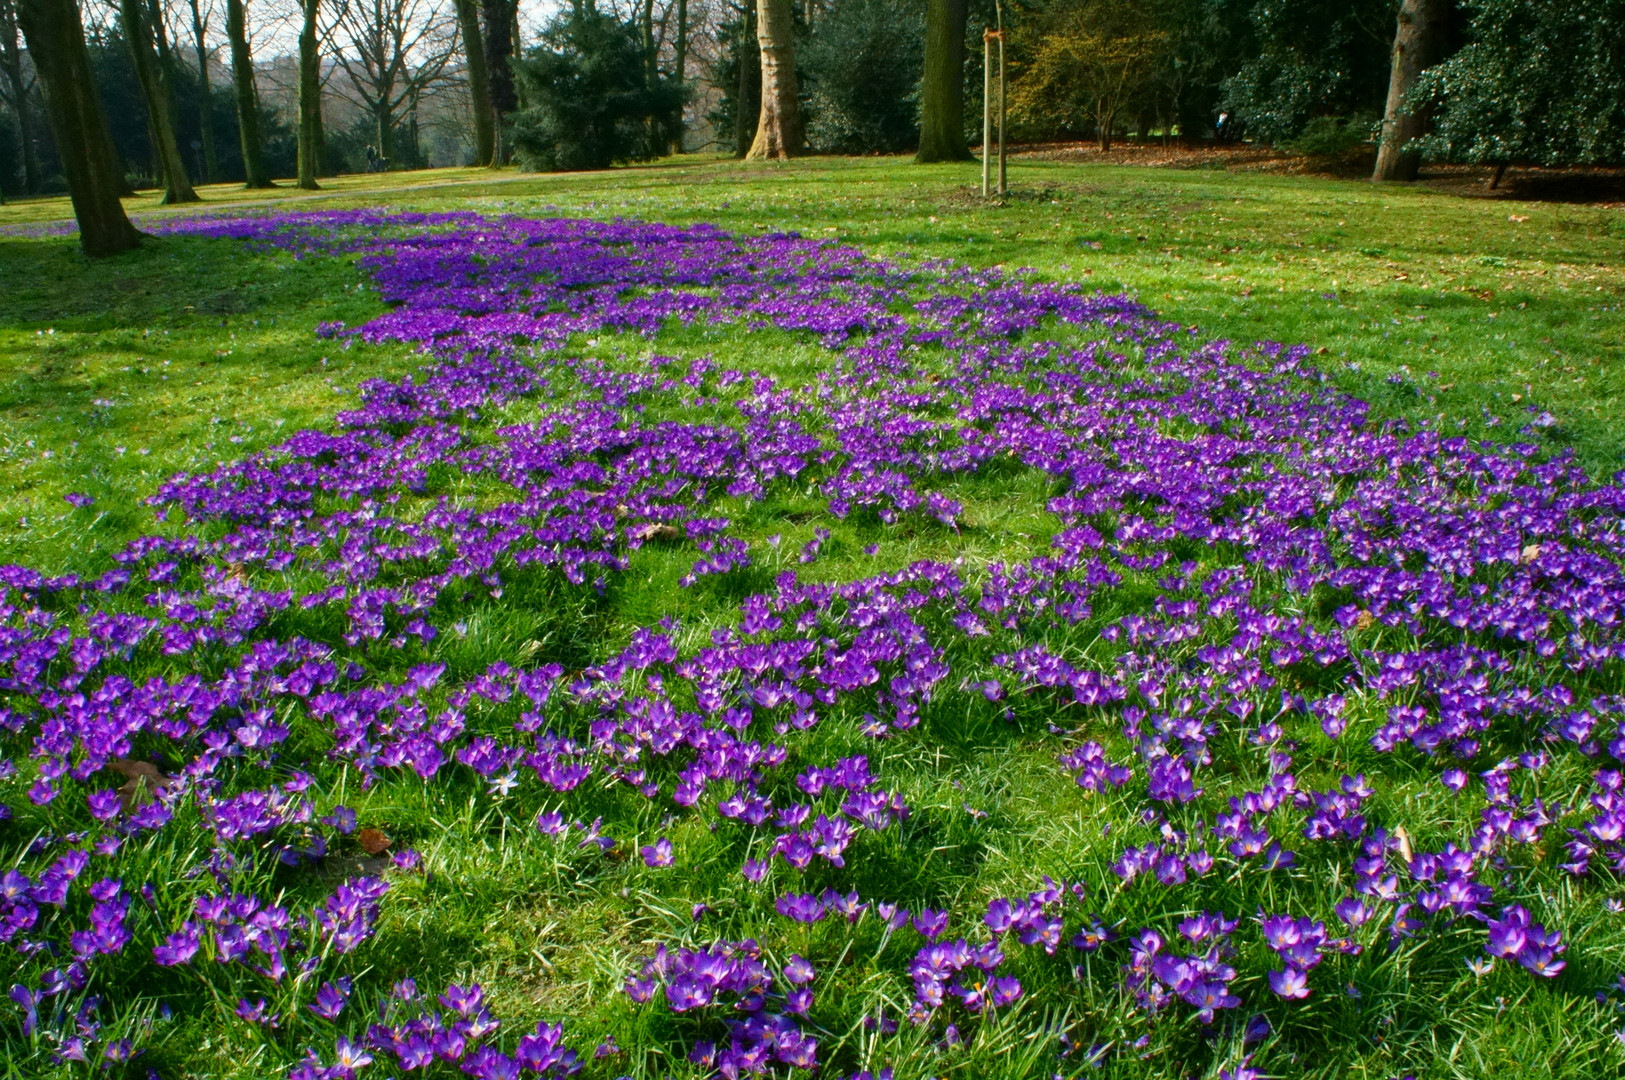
(372, 159)
(1226, 129)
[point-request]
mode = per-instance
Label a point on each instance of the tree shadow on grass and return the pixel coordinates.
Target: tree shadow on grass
(170, 279)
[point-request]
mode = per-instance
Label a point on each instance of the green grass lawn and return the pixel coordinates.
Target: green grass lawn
(1479, 315)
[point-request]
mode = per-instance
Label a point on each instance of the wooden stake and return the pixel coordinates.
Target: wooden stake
(1001, 111)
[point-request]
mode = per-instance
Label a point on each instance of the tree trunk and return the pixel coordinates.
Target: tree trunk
(479, 79)
(12, 61)
(1103, 128)
(56, 45)
(324, 164)
(139, 32)
(205, 98)
(749, 99)
(651, 73)
(498, 49)
(942, 90)
(310, 97)
(168, 74)
(248, 102)
(1418, 41)
(386, 130)
(778, 125)
(680, 70)
(647, 27)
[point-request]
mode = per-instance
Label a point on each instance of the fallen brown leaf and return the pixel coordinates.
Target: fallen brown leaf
(373, 841)
(142, 781)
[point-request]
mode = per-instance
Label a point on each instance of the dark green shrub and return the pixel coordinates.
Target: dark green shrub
(589, 97)
(863, 64)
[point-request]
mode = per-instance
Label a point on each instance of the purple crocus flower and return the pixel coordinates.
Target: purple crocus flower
(800, 907)
(658, 854)
(330, 998)
(463, 1000)
(1289, 983)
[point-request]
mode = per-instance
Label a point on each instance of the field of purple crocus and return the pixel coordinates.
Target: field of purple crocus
(736, 656)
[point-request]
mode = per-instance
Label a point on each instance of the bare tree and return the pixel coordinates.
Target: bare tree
(479, 80)
(15, 92)
(141, 31)
(248, 99)
(205, 99)
(391, 51)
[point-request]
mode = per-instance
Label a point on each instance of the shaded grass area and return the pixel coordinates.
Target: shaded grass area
(196, 351)
(117, 374)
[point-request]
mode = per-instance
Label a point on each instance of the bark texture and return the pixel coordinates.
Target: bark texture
(499, 17)
(942, 89)
(1418, 40)
(479, 80)
(139, 32)
(778, 124)
(248, 99)
(56, 44)
(310, 97)
(748, 102)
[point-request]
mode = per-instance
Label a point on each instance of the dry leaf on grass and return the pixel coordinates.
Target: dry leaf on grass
(373, 841)
(654, 531)
(142, 781)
